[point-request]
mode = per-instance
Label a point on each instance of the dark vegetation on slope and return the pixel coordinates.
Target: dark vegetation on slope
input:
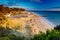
(49, 35)
(57, 27)
(5, 34)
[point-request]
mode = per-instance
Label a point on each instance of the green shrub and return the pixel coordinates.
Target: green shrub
(49, 35)
(4, 38)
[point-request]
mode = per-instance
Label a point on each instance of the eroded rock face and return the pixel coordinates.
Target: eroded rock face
(25, 23)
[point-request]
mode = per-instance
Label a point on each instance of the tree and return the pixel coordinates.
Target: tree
(57, 27)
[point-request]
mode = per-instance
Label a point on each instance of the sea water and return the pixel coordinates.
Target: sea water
(52, 16)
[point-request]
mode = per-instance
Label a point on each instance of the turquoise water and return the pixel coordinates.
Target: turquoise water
(52, 16)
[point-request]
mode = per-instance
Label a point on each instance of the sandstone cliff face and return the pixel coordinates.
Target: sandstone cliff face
(24, 23)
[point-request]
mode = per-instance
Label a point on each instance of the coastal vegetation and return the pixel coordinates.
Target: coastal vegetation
(57, 27)
(49, 35)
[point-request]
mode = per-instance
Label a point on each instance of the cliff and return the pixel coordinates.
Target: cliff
(4, 10)
(22, 22)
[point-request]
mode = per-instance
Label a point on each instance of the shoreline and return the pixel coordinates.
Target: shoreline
(49, 22)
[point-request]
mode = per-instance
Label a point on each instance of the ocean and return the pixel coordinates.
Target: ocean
(52, 16)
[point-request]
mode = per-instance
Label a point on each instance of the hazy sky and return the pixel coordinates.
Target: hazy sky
(32, 4)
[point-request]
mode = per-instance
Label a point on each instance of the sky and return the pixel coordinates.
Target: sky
(32, 4)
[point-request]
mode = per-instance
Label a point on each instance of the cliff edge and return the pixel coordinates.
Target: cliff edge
(22, 22)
